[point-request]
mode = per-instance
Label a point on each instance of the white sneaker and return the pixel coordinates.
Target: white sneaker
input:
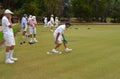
(35, 40)
(31, 41)
(9, 61)
(14, 59)
(68, 50)
(54, 51)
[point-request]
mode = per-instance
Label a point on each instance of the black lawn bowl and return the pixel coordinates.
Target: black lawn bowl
(76, 28)
(21, 43)
(31, 43)
(88, 28)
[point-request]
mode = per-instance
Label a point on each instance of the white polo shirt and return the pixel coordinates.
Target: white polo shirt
(8, 32)
(52, 20)
(56, 20)
(45, 20)
(60, 29)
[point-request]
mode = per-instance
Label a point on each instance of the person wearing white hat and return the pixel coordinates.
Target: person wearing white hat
(29, 18)
(52, 22)
(8, 36)
(45, 21)
(56, 22)
(32, 29)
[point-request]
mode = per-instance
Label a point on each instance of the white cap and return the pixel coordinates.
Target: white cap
(33, 17)
(52, 15)
(7, 11)
(30, 16)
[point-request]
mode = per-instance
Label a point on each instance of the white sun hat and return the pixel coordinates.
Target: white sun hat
(52, 15)
(33, 17)
(7, 11)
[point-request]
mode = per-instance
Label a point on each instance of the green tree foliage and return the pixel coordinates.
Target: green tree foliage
(96, 10)
(81, 9)
(115, 12)
(84, 10)
(31, 8)
(51, 6)
(37, 7)
(88, 10)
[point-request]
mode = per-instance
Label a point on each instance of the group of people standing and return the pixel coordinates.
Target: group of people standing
(51, 22)
(30, 22)
(7, 28)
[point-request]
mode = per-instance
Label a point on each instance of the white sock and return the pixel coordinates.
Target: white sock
(34, 38)
(31, 39)
(24, 36)
(66, 48)
(11, 53)
(7, 55)
(54, 49)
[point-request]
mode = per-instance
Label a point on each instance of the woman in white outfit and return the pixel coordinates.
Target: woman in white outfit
(32, 28)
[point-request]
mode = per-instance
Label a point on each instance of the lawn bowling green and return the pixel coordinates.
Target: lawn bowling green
(95, 55)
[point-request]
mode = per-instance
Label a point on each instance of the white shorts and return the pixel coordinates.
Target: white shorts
(32, 30)
(60, 38)
(45, 24)
(24, 28)
(50, 24)
(9, 41)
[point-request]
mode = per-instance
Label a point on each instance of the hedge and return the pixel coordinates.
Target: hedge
(15, 29)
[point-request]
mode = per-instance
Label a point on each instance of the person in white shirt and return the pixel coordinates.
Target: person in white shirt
(45, 21)
(56, 22)
(30, 17)
(58, 36)
(8, 36)
(52, 22)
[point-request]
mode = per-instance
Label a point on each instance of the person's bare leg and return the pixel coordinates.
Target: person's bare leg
(58, 45)
(7, 52)
(30, 37)
(65, 45)
(66, 48)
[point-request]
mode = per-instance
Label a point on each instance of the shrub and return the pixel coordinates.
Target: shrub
(15, 29)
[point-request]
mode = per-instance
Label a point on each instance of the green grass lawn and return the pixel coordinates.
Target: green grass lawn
(95, 55)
